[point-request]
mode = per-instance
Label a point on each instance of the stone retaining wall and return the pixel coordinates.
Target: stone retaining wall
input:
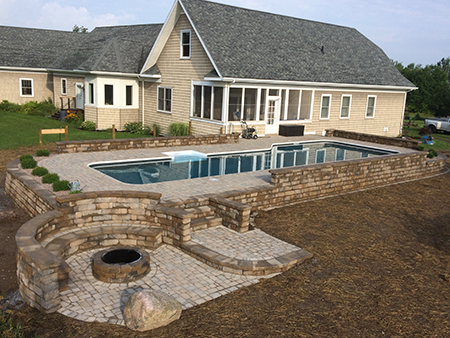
(138, 143)
(392, 141)
(296, 184)
(114, 207)
(37, 269)
(28, 194)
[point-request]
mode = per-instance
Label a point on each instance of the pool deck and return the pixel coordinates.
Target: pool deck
(75, 167)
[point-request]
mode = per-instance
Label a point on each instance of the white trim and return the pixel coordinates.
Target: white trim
(318, 84)
(321, 106)
(198, 119)
(65, 86)
(400, 132)
(349, 107)
(23, 69)
(374, 105)
(143, 102)
(21, 87)
(182, 57)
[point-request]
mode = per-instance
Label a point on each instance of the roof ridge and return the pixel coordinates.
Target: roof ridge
(272, 14)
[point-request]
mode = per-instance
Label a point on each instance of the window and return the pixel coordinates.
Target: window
(370, 111)
(26, 87)
(91, 93)
(109, 95)
(185, 44)
(165, 99)
(208, 102)
(325, 107)
(129, 95)
(345, 106)
(63, 86)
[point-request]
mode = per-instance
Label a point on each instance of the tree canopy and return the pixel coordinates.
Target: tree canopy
(79, 29)
(433, 82)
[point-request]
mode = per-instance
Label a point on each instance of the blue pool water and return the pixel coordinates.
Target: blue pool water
(189, 164)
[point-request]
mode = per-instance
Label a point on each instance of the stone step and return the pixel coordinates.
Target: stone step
(200, 212)
(205, 222)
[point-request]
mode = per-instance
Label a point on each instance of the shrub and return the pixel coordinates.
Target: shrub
(50, 178)
(133, 127)
(420, 147)
(61, 185)
(28, 163)
(179, 129)
(88, 125)
(75, 117)
(75, 192)
(39, 171)
(42, 152)
(25, 156)
(432, 153)
(5, 105)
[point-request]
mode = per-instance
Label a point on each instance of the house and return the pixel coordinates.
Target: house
(212, 65)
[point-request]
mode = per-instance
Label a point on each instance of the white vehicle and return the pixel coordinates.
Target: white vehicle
(435, 125)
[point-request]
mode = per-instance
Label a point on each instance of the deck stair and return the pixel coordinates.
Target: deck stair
(203, 218)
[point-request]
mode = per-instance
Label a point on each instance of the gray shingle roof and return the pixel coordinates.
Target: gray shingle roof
(256, 45)
(34, 48)
(111, 49)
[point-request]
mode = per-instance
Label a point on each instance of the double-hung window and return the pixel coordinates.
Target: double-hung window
(370, 110)
(63, 86)
(345, 106)
(185, 44)
(165, 99)
(26, 87)
(325, 107)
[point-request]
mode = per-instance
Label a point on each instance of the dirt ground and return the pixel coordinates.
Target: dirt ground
(381, 268)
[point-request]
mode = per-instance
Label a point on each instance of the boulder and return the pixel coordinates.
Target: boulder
(147, 310)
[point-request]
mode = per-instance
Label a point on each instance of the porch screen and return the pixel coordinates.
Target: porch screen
(294, 97)
(235, 104)
(305, 106)
(250, 104)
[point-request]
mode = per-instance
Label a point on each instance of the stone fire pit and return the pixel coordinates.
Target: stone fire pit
(120, 264)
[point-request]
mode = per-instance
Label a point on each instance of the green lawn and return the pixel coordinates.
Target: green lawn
(441, 140)
(19, 130)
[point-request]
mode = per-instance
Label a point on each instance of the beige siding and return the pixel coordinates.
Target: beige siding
(388, 113)
(177, 73)
(10, 87)
(107, 117)
(71, 82)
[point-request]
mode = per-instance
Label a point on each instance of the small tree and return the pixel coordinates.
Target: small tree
(79, 29)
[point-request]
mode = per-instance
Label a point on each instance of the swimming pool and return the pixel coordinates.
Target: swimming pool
(191, 164)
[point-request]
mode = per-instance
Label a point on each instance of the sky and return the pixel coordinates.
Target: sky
(409, 31)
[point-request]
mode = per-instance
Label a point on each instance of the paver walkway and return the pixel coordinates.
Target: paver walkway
(190, 281)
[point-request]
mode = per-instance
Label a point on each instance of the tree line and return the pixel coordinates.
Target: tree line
(433, 81)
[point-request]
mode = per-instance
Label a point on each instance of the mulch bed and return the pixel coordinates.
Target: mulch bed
(381, 268)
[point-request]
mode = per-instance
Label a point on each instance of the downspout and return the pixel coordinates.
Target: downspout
(143, 101)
